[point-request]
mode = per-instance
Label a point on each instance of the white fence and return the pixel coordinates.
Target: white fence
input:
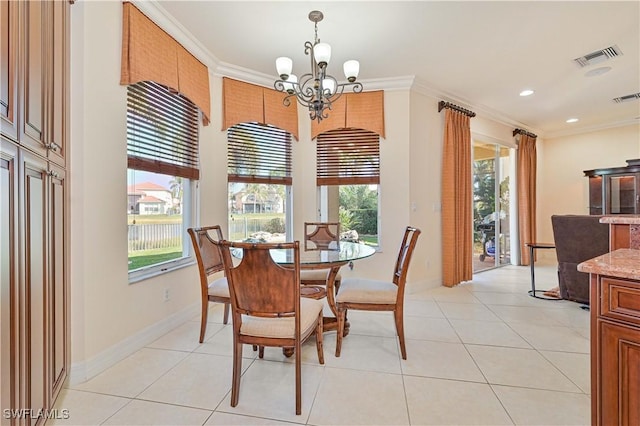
(154, 236)
(168, 235)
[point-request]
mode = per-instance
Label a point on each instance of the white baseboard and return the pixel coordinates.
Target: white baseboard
(84, 370)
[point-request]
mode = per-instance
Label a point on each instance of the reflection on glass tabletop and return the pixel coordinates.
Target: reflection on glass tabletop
(345, 252)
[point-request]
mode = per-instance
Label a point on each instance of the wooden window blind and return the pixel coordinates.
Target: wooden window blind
(162, 131)
(258, 153)
(348, 157)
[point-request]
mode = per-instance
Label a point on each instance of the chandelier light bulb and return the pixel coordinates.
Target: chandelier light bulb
(284, 66)
(328, 85)
(289, 82)
(322, 53)
(351, 70)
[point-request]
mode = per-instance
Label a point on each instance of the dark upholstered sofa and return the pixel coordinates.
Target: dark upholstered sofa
(577, 238)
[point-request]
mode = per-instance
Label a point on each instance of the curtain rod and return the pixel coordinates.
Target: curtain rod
(524, 132)
(443, 104)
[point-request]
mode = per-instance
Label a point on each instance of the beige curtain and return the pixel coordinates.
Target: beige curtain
(354, 110)
(150, 54)
(457, 250)
(526, 194)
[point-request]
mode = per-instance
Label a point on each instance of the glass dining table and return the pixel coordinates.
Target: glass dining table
(331, 257)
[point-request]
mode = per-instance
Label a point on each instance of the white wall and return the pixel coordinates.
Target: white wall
(562, 186)
(110, 317)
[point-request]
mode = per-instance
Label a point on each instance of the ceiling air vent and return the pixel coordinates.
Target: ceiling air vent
(598, 56)
(627, 98)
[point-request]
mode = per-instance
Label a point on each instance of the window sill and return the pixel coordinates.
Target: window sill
(147, 273)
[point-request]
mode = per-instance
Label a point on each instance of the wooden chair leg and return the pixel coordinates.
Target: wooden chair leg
(261, 352)
(319, 347)
(237, 371)
(225, 317)
(298, 378)
(400, 330)
(203, 319)
(341, 318)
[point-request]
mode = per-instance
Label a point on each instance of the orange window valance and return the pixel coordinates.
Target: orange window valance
(247, 103)
(150, 54)
(354, 110)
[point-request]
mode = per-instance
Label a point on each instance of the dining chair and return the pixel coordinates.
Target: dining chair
(209, 259)
(320, 236)
(266, 307)
(373, 295)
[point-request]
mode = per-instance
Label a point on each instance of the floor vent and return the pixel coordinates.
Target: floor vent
(627, 98)
(598, 56)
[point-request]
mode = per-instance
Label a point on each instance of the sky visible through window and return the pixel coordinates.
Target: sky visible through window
(139, 176)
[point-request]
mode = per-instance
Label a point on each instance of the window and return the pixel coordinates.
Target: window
(162, 149)
(348, 177)
(259, 176)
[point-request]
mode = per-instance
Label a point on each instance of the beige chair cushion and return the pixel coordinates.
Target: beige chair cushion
(219, 288)
(361, 290)
(283, 327)
(316, 275)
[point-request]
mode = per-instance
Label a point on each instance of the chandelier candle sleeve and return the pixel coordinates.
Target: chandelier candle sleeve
(315, 90)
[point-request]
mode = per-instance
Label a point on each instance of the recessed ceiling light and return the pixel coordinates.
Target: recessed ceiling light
(527, 92)
(597, 71)
(572, 120)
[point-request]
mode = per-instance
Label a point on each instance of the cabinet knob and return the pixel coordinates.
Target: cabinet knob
(52, 146)
(53, 174)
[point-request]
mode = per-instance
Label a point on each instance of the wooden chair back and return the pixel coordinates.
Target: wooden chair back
(409, 241)
(207, 252)
(258, 285)
(321, 235)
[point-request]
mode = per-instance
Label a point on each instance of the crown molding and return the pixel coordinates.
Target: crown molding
(168, 23)
(591, 129)
(481, 110)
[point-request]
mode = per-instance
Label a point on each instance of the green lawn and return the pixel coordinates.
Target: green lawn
(151, 257)
(153, 218)
(371, 240)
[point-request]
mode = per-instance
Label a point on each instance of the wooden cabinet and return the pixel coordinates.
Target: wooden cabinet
(615, 351)
(614, 190)
(34, 125)
(34, 79)
(9, 43)
(9, 254)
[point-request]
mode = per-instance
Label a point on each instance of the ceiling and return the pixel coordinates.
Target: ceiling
(477, 54)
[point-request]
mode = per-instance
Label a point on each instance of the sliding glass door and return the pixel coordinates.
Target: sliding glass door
(493, 166)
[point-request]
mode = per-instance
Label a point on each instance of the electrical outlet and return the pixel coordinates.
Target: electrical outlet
(167, 295)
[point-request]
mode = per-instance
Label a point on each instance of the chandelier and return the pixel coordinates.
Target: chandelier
(315, 90)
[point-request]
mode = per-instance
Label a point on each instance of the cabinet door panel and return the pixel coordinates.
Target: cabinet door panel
(35, 277)
(58, 283)
(34, 76)
(8, 276)
(59, 51)
(8, 68)
(619, 379)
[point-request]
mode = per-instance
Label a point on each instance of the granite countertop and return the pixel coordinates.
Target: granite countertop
(621, 263)
(623, 219)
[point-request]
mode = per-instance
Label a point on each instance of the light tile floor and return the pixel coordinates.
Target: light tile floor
(483, 352)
